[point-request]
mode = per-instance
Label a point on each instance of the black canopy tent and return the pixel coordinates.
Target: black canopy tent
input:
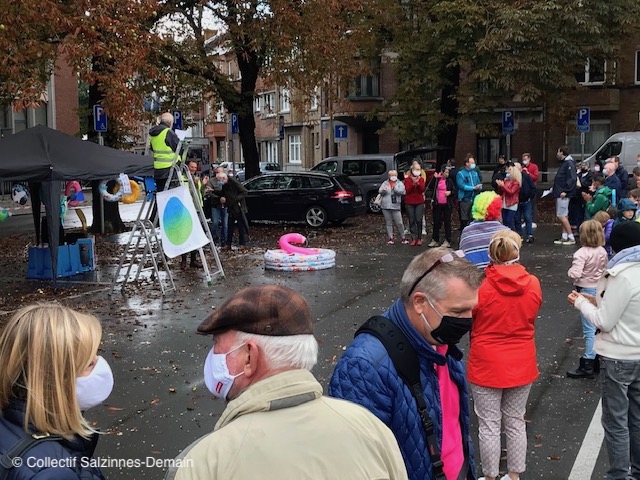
(47, 158)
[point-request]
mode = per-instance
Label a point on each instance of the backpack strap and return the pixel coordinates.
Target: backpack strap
(405, 360)
(8, 460)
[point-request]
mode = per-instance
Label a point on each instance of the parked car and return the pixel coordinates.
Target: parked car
(265, 167)
(231, 168)
(369, 171)
(315, 198)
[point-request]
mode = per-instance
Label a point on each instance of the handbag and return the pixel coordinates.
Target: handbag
(378, 199)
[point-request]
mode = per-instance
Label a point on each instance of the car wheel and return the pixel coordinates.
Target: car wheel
(316, 217)
(371, 204)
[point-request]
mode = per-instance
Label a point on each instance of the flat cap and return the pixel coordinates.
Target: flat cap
(266, 310)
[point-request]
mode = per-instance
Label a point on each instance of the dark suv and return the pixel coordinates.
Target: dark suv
(315, 198)
(369, 171)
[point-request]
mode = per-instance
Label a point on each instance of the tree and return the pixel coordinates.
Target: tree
(293, 44)
(456, 58)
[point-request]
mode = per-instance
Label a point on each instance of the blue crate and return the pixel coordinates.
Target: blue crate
(87, 254)
(40, 262)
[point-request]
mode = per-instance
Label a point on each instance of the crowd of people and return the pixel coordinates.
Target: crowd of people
(378, 420)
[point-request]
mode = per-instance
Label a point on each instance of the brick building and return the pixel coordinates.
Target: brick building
(58, 108)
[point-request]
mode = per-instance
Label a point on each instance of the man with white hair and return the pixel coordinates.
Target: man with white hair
(164, 143)
(277, 424)
(613, 182)
(232, 195)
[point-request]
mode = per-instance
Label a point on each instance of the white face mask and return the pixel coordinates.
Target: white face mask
(525, 162)
(216, 373)
(393, 179)
(596, 168)
(96, 387)
(416, 173)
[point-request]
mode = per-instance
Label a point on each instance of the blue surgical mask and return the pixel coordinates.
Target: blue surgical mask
(508, 175)
(472, 166)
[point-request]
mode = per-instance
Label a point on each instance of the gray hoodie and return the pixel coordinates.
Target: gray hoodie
(391, 200)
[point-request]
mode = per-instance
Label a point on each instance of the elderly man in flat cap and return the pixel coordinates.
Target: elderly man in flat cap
(277, 424)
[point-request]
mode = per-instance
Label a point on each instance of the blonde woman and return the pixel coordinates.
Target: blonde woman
(502, 356)
(50, 374)
(509, 188)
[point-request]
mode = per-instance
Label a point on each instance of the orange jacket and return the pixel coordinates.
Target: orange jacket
(503, 351)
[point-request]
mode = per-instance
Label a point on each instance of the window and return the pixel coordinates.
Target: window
(272, 152)
(315, 182)
(285, 104)
(295, 145)
(288, 182)
(490, 147)
(597, 135)
(352, 167)
(329, 167)
(594, 73)
(637, 66)
(260, 183)
(268, 103)
(220, 112)
(314, 100)
(256, 103)
(366, 87)
(375, 167)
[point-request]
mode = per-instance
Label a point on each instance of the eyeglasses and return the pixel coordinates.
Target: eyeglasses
(446, 258)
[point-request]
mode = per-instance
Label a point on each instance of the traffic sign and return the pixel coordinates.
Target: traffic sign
(235, 128)
(177, 120)
(583, 119)
(340, 132)
(99, 118)
(508, 122)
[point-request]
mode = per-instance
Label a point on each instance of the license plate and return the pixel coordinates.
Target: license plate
(358, 198)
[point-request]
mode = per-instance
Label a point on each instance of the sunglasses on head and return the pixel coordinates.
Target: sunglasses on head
(446, 258)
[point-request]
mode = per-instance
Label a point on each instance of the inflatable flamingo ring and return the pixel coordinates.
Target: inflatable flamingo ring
(293, 258)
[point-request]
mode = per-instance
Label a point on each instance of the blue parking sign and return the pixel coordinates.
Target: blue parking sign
(99, 118)
(177, 120)
(508, 122)
(583, 119)
(235, 127)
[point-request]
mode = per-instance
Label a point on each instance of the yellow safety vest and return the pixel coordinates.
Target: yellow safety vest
(162, 154)
(198, 184)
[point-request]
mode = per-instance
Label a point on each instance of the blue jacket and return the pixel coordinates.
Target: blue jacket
(74, 451)
(566, 178)
(466, 181)
(366, 375)
(613, 182)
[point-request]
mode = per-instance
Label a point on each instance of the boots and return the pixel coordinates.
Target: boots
(585, 370)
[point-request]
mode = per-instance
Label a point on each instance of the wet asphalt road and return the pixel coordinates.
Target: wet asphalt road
(160, 404)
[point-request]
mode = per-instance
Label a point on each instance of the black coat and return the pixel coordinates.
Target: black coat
(451, 186)
(234, 193)
(73, 452)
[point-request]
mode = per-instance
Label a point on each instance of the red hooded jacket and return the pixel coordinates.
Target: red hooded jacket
(503, 350)
(415, 191)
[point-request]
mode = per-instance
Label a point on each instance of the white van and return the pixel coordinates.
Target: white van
(626, 145)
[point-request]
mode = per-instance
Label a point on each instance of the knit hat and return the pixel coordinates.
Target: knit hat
(266, 310)
(487, 206)
(625, 235)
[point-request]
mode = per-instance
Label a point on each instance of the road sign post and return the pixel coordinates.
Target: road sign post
(508, 128)
(341, 133)
(583, 124)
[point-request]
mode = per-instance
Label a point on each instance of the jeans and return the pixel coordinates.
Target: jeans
(441, 213)
(525, 209)
(220, 222)
(588, 330)
(508, 216)
(620, 381)
(391, 217)
(242, 229)
(415, 214)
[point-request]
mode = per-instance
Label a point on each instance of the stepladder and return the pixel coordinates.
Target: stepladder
(144, 249)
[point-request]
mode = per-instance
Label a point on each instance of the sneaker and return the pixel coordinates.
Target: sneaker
(390, 241)
(419, 243)
(529, 240)
(432, 244)
(569, 241)
(560, 241)
(534, 225)
(446, 244)
(413, 243)
(405, 241)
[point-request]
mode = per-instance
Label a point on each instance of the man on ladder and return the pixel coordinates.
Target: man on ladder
(164, 143)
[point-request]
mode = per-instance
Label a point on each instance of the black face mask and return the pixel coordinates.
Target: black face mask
(451, 329)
